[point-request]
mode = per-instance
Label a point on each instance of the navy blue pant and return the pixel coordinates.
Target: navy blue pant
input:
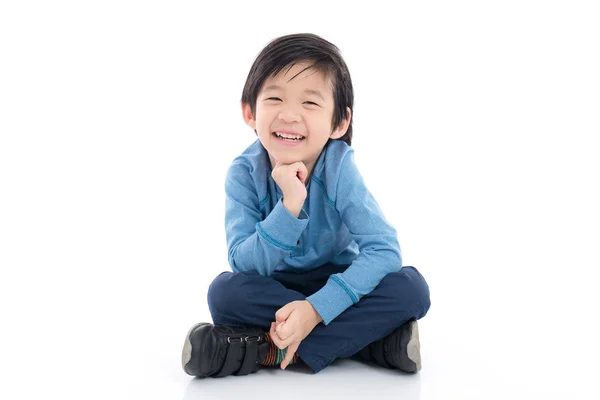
(250, 299)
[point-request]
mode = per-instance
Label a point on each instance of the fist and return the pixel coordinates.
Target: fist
(291, 179)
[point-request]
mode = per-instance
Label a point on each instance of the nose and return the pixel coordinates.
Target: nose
(289, 114)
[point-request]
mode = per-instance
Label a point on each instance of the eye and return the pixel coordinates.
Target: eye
(274, 98)
(311, 103)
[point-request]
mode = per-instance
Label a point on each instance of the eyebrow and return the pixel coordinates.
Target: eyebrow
(308, 91)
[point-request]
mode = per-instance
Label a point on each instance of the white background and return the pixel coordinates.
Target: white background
(476, 128)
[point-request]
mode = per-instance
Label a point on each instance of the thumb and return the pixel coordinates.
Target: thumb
(283, 313)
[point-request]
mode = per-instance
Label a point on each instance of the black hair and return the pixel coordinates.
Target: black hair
(288, 50)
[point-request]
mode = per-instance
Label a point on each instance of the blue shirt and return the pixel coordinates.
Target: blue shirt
(340, 223)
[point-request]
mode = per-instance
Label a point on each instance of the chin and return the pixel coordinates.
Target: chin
(286, 158)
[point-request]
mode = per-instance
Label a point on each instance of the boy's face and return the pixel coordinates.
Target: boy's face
(302, 106)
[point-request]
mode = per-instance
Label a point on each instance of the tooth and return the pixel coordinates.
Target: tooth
(289, 137)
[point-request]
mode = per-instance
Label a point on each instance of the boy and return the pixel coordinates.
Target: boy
(317, 269)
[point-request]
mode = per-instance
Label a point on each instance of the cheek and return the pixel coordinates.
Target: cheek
(321, 119)
(264, 118)
(320, 125)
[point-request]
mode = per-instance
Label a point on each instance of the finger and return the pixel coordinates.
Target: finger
(277, 324)
(286, 330)
(280, 332)
(275, 338)
(302, 167)
(273, 330)
(289, 355)
(284, 312)
(287, 342)
(302, 172)
(280, 342)
(301, 176)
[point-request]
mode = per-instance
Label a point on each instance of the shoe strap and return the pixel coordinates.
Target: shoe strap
(251, 356)
(234, 350)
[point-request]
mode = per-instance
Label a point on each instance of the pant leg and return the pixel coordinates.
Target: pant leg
(399, 297)
(248, 298)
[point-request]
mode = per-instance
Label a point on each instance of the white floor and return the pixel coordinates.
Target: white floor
(129, 347)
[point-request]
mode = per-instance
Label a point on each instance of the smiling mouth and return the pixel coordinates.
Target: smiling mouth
(289, 138)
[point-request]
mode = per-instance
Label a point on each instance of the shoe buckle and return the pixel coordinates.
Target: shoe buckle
(243, 339)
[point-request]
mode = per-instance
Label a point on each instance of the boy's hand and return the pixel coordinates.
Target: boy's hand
(294, 322)
(291, 179)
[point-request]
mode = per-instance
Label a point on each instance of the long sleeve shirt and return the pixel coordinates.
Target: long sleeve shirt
(340, 223)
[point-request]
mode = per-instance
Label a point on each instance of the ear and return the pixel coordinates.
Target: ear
(248, 117)
(343, 127)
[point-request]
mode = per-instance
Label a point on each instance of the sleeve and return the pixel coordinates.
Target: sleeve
(379, 250)
(254, 244)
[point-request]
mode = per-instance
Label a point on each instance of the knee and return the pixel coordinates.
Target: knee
(410, 291)
(226, 291)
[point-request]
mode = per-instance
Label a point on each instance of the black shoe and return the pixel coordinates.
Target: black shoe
(218, 350)
(400, 349)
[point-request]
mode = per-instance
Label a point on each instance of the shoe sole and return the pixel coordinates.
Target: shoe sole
(414, 345)
(186, 354)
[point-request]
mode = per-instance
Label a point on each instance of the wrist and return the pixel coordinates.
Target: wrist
(317, 316)
(294, 207)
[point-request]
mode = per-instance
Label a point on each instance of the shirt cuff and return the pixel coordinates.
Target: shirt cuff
(332, 299)
(281, 228)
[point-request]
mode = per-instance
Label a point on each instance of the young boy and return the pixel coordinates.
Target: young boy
(317, 269)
